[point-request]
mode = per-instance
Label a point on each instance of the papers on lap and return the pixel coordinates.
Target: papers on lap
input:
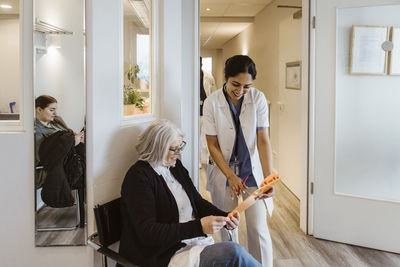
(264, 187)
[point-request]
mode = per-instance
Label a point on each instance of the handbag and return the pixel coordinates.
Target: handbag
(75, 169)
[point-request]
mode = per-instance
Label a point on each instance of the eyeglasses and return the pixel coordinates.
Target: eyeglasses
(178, 149)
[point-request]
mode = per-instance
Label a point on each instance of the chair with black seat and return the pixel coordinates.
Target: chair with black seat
(79, 202)
(109, 224)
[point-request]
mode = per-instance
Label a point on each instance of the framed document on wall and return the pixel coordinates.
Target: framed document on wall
(293, 75)
(394, 68)
(367, 54)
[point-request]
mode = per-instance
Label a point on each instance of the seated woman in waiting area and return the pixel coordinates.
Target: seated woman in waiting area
(61, 154)
(47, 122)
(165, 219)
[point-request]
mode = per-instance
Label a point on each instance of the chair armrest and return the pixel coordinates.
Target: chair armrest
(93, 242)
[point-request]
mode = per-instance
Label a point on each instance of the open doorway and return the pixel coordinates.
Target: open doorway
(271, 33)
(279, 37)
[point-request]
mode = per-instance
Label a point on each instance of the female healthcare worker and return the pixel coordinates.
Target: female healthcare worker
(235, 121)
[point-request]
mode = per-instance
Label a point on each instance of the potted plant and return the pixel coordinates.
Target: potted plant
(133, 101)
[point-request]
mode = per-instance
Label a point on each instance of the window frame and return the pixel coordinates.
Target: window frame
(154, 77)
(7, 126)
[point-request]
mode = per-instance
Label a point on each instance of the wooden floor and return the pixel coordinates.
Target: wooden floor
(292, 248)
(59, 217)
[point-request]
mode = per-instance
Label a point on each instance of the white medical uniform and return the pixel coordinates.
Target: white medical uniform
(217, 121)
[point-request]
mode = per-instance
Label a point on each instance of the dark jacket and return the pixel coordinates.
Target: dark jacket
(42, 132)
(53, 153)
(151, 232)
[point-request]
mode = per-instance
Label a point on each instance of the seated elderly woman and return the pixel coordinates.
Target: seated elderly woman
(165, 219)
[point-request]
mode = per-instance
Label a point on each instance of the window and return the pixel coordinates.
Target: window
(137, 91)
(10, 71)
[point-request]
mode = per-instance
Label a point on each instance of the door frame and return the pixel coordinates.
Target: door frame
(308, 114)
(311, 115)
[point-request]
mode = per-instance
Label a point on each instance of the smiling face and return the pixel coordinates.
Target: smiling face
(238, 86)
(172, 156)
(47, 114)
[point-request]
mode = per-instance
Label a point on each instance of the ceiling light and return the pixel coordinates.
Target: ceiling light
(5, 6)
(208, 9)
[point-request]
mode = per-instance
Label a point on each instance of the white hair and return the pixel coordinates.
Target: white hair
(154, 143)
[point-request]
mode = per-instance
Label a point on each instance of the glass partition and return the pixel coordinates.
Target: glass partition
(367, 140)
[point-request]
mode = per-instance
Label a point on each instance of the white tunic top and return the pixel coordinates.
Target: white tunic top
(217, 121)
(190, 254)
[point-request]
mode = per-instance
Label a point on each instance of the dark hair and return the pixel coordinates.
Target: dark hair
(43, 102)
(239, 64)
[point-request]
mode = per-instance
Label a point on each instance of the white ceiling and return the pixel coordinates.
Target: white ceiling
(11, 11)
(226, 19)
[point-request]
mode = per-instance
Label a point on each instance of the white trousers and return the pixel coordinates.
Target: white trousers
(258, 236)
(204, 154)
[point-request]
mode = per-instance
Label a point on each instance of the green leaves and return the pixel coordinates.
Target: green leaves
(132, 95)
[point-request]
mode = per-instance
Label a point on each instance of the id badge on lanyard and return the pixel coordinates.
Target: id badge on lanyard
(234, 165)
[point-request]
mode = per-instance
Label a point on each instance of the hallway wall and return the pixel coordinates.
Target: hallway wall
(290, 107)
(217, 64)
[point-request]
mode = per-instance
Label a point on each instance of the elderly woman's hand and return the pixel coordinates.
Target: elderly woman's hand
(212, 224)
(269, 193)
(233, 221)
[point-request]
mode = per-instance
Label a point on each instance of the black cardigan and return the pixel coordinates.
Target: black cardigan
(151, 232)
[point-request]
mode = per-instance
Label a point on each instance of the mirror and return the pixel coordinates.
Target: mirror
(60, 98)
(10, 87)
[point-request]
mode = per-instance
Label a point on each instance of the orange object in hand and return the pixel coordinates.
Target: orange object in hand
(265, 185)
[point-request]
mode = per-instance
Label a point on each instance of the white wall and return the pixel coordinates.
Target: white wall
(290, 137)
(17, 176)
(110, 146)
(10, 65)
(60, 72)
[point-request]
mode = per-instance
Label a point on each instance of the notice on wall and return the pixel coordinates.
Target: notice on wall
(367, 53)
(395, 53)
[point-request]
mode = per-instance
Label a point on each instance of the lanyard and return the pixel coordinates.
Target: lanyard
(235, 119)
